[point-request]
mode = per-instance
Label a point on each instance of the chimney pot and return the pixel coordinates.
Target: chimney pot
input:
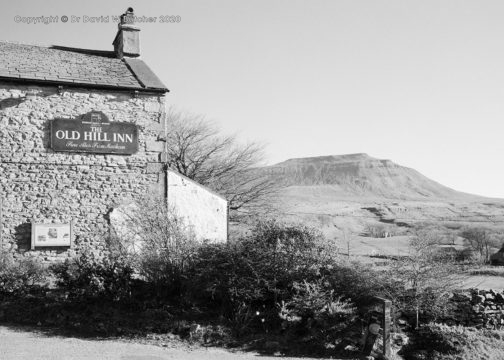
(127, 40)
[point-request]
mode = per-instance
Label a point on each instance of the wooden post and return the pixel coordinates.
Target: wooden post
(1, 224)
(387, 306)
(71, 233)
(386, 316)
(32, 246)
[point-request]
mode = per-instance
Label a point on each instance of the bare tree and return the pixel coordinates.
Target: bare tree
(197, 150)
(346, 240)
(427, 275)
(378, 230)
(158, 241)
(481, 240)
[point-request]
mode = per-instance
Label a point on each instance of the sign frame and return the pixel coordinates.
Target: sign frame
(94, 133)
(51, 230)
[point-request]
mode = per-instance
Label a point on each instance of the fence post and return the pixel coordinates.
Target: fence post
(382, 319)
(1, 223)
(387, 306)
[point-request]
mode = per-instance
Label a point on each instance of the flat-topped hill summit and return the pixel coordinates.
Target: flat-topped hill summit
(361, 175)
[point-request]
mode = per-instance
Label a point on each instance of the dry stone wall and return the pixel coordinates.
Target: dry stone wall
(477, 308)
(57, 187)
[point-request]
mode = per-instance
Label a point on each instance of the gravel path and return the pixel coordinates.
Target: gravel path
(21, 344)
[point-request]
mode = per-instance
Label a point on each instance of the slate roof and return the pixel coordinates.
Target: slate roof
(75, 67)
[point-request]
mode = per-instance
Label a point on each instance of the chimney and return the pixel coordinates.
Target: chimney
(127, 40)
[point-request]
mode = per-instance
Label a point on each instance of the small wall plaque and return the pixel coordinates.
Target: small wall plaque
(51, 235)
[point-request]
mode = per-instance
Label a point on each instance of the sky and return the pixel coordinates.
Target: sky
(418, 82)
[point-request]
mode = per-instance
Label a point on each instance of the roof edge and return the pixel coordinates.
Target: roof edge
(143, 73)
(83, 85)
(197, 183)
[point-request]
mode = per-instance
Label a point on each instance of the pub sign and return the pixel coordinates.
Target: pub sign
(94, 133)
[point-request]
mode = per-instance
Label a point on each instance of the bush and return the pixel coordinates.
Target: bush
(360, 282)
(315, 314)
(164, 260)
(158, 242)
(441, 342)
(88, 276)
(248, 279)
(19, 276)
(467, 256)
(488, 271)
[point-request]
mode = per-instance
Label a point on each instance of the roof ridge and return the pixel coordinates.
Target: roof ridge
(62, 47)
(84, 51)
(25, 43)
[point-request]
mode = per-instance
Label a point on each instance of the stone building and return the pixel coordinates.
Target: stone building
(83, 132)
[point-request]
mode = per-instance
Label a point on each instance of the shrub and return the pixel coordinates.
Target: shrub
(89, 276)
(158, 242)
(164, 260)
(314, 313)
(467, 256)
(441, 342)
(488, 271)
(227, 279)
(18, 276)
(256, 273)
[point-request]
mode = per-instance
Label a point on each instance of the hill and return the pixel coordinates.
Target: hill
(361, 175)
(354, 193)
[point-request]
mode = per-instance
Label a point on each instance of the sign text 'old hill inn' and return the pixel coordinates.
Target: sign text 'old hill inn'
(94, 133)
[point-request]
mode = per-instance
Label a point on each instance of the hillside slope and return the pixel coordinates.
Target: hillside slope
(349, 193)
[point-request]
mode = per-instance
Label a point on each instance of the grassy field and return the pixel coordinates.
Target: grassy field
(372, 250)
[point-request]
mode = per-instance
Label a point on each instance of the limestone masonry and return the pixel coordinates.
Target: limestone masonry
(478, 308)
(37, 183)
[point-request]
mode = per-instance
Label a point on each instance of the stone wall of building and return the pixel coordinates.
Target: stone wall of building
(39, 184)
(203, 211)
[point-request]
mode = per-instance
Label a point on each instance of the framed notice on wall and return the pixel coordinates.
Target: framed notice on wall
(51, 235)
